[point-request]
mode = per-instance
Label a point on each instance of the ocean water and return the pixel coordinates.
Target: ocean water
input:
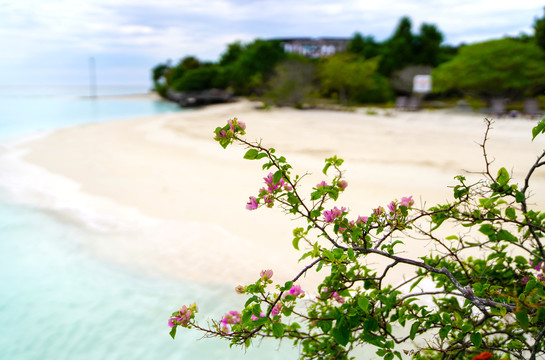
(58, 300)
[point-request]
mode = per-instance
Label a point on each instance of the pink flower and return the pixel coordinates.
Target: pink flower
(321, 185)
(362, 220)
(295, 291)
(406, 201)
(268, 199)
(342, 185)
(266, 275)
(254, 318)
(524, 280)
(252, 203)
(378, 211)
(338, 298)
(231, 318)
(392, 207)
(221, 134)
(269, 180)
(233, 123)
(538, 266)
(183, 316)
(276, 309)
(331, 215)
(240, 289)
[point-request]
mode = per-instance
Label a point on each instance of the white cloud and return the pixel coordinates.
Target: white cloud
(55, 31)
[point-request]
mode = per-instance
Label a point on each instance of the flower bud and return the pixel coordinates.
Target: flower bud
(266, 275)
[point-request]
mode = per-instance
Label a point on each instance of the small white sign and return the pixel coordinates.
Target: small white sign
(422, 83)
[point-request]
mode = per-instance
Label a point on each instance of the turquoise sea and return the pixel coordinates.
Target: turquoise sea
(58, 300)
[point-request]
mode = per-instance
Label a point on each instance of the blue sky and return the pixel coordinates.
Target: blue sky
(50, 41)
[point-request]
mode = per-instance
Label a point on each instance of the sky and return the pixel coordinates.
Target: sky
(50, 42)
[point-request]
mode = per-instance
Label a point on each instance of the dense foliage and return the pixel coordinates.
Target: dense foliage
(539, 32)
(505, 67)
(484, 292)
(262, 68)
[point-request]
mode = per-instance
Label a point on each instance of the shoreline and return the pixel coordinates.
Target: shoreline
(182, 198)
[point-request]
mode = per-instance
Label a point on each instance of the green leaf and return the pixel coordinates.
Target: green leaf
(539, 128)
(247, 342)
(288, 285)
(530, 285)
(261, 321)
(503, 177)
(467, 328)
(338, 253)
(506, 235)
(444, 331)
(251, 154)
(522, 317)
(476, 338)
(326, 167)
(295, 242)
(487, 229)
(325, 326)
(510, 213)
(246, 317)
(277, 176)
(341, 333)
(370, 324)
(519, 196)
(381, 352)
(414, 329)
(416, 283)
(278, 329)
(363, 303)
(173, 332)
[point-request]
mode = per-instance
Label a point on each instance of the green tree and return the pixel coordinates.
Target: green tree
(232, 54)
(539, 31)
(293, 82)
(159, 75)
(428, 45)
(249, 73)
(364, 46)
(503, 67)
(352, 78)
(202, 78)
(399, 50)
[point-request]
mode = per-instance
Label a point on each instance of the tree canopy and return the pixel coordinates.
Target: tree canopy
(505, 67)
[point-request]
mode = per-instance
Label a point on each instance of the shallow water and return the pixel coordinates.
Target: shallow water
(61, 301)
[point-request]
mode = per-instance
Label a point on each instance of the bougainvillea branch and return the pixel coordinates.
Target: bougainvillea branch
(484, 294)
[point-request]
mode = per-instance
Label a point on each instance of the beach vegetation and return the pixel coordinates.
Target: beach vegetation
(496, 68)
(294, 83)
(476, 292)
(539, 31)
(353, 79)
(510, 68)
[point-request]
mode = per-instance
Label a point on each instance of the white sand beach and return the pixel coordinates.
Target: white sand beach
(177, 199)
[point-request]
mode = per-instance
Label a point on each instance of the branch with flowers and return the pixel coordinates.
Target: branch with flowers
(490, 306)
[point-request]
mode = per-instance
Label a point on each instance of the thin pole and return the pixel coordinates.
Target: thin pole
(92, 78)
